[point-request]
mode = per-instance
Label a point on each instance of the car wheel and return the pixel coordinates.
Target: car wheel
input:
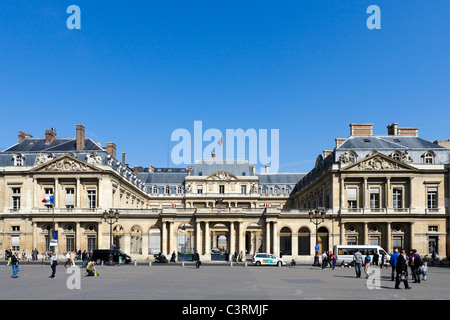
(258, 263)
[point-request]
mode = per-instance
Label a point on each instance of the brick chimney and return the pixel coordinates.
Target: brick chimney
(123, 158)
(50, 134)
(339, 141)
(22, 135)
(392, 129)
(151, 169)
(361, 129)
(111, 149)
(408, 131)
(80, 137)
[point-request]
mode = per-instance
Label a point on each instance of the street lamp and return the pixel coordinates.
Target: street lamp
(109, 217)
(314, 217)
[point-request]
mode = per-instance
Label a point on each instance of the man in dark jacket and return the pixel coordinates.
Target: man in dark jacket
(401, 268)
(196, 258)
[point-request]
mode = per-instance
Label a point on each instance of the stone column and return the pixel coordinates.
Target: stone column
(78, 236)
(366, 234)
(411, 239)
(145, 243)
(164, 238)
(276, 247)
(232, 240)
(342, 235)
(388, 194)
(197, 237)
(78, 194)
(56, 193)
(171, 238)
(411, 194)
(388, 238)
(207, 239)
(267, 238)
(341, 191)
(366, 194)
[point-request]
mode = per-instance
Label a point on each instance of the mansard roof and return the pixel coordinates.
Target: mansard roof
(394, 142)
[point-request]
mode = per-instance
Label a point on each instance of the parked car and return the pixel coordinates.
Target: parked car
(267, 259)
(103, 255)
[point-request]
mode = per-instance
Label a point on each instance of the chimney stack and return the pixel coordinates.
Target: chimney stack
(151, 169)
(266, 169)
(361, 129)
(123, 158)
(50, 134)
(22, 135)
(111, 149)
(392, 129)
(339, 141)
(80, 137)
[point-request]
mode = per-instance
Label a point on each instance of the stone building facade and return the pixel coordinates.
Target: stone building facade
(387, 190)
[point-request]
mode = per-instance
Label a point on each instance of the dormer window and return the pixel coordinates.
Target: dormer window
(155, 189)
(428, 157)
(18, 160)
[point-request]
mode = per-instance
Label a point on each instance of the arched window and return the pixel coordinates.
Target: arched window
(18, 160)
(167, 189)
(396, 156)
(428, 157)
(155, 189)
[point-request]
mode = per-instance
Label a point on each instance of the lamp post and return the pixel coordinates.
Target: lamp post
(314, 217)
(110, 217)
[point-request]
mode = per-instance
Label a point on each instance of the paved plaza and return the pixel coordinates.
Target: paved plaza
(214, 282)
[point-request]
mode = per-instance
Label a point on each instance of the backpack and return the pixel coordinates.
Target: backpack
(367, 259)
(417, 261)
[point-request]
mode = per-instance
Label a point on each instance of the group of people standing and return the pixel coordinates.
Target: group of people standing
(401, 262)
(328, 258)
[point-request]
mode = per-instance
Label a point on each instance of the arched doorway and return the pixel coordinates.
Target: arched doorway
(253, 239)
(304, 242)
(322, 239)
(285, 241)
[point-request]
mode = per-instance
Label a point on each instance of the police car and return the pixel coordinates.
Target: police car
(267, 259)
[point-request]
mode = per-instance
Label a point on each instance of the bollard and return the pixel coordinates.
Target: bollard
(182, 263)
(149, 263)
(231, 263)
(135, 263)
(245, 264)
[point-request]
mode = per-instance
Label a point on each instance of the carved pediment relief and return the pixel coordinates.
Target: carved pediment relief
(378, 162)
(65, 163)
(221, 176)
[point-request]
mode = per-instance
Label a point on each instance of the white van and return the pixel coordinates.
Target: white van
(346, 252)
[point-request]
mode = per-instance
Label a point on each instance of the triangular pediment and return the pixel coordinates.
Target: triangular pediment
(222, 175)
(65, 163)
(379, 162)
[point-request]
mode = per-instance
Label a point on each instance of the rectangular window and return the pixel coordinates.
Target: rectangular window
(397, 242)
(16, 198)
(15, 228)
(374, 198)
(243, 189)
(432, 228)
(15, 243)
(352, 241)
(70, 193)
(374, 241)
(48, 191)
(92, 199)
(70, 243)
(397, 198)
(199, 189)
(432, 198)
(91, 243)
(221, 189)
(351, 198)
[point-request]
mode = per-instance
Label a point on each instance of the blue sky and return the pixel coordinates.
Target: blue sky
(138, 70)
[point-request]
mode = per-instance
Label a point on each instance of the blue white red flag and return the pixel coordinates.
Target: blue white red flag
(48, 199)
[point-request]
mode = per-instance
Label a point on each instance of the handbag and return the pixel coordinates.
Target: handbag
(402, 277)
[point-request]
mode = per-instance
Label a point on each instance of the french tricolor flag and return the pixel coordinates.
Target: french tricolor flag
(48, 199)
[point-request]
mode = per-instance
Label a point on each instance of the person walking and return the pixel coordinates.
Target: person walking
(393, 263)
(67, 259)
(15, 264)
(173, 258)
(383, 258)
(375, 258)
(415, 266)
(334, 261)
(53, 264)
(424, 270)
(401, 269)
(196, 258)
(8, 256)
(324, 260)
(367, 264)
(358, 258)
(84, 257)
